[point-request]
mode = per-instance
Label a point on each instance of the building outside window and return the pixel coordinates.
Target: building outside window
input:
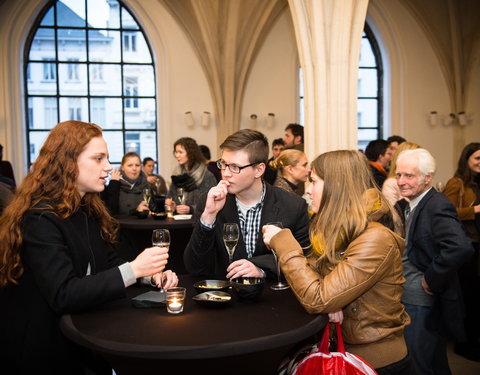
(89, 60)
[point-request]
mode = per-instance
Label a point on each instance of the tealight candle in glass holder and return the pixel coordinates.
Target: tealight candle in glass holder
(175, 300)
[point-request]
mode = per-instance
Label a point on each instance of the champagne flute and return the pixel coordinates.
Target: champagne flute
(180, 195)
(280, 285)
(161, 237)
(147, 195)
(439, 186)
(230, 238)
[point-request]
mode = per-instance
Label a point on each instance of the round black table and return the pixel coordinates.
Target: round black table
(237, 339)
(136, 235)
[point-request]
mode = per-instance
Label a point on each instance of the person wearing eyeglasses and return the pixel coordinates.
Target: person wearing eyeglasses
(242, 197)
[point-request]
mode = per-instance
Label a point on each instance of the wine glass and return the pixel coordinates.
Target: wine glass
(280, 285)
(180, 195)
(147, 195)
(161, 237)
(439, 186)
(230, 238)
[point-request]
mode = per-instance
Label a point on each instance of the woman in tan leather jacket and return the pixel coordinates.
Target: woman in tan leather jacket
(354, 271)
(463, 190)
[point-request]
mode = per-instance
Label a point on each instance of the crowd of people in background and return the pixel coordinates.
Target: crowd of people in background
(382, 251)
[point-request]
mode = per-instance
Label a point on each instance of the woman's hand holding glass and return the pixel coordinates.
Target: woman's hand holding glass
(269, 231)
(150, 261)
(266, 228)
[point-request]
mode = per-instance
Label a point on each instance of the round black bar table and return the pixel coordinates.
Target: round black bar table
(241, 338)
(136, 235)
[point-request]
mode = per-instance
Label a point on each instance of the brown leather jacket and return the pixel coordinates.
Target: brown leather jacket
(463, 198)
(366, 285)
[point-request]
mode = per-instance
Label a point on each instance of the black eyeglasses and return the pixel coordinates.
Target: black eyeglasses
(232, 167)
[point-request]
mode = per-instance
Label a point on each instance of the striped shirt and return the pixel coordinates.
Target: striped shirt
(250, 222)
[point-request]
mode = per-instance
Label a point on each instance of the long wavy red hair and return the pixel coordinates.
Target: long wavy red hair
(53, 178)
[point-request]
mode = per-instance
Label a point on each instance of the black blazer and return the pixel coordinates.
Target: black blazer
(438, 246)
(55, 254)
(206, 254)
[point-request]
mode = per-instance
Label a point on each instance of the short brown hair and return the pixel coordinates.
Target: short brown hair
(252, 141)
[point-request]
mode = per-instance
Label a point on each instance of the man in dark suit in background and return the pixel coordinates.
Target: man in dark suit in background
(242, 197)
(278, 145)
(435, 247)
(379, 157)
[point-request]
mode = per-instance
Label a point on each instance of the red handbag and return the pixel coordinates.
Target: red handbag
(322, 361)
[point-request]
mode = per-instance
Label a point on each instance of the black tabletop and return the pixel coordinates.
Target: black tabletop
(149, 223)
(277, 319)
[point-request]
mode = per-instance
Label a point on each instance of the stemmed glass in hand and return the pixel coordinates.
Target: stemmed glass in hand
(161, 237)
(280, 285)
(230, 238)
(147, 195)
(180, 195)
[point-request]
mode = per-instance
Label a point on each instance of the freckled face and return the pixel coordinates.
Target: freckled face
(93, 167)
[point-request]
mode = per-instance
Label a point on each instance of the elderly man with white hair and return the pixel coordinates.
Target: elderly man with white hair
(435, 247)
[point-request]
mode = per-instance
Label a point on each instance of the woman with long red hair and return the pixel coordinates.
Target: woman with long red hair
(56, 253)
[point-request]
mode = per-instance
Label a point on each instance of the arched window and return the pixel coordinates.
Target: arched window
(89, 60)
(370, 91)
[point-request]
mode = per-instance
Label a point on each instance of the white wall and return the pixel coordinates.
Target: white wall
(416, 83)
(181, 82)
(272, 83)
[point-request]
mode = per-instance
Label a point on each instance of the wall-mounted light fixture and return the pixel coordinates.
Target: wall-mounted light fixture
(252, 122)
(451, 119)
(270, 120)
(205, 119)
(433, 118)
(189, 120)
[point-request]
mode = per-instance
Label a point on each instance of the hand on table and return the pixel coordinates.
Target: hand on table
(150, 261)
(169, 279)
(243, 267)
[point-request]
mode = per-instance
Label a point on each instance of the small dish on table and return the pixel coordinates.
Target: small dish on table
(213, 299)
(211, 285)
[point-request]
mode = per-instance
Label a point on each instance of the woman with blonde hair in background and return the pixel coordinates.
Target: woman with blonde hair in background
(390, 188)
(56, 254)
(292, 169)
(354, 272)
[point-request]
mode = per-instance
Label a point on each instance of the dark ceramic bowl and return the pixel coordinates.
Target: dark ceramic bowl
(142, 214)
(213, 299)
(159, 215)
(211, 285)
(248, 289)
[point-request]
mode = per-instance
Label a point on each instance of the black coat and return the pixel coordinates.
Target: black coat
(206, 254)
(438, 246)
(55, 254)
